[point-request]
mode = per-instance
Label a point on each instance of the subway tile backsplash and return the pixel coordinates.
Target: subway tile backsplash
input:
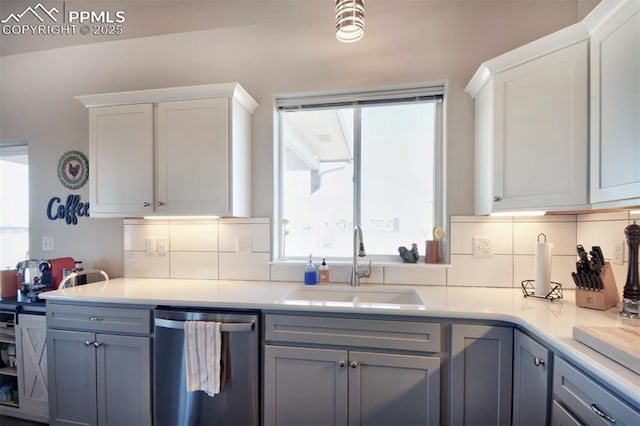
(240, 249)
(233, 249)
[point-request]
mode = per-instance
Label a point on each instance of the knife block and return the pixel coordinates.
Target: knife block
(601, 300)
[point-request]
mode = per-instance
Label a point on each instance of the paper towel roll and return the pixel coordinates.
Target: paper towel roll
(542, 282)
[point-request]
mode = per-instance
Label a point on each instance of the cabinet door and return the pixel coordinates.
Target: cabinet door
(121, 160)
(304, 386)
(31, 341)
(390, 389)
(540, 157)
(481, 371)
(72, 378)
(193, 155)
(123, 380)
(615, 108)
(531, 381)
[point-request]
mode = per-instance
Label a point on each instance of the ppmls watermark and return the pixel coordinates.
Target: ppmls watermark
(39, 20)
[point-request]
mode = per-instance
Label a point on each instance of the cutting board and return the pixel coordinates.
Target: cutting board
(621, 344)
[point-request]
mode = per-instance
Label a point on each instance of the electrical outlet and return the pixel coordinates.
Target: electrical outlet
(161, 246)
(244, 244)
(48, 243)
(483, 247)
(150, 245)
(618, 252)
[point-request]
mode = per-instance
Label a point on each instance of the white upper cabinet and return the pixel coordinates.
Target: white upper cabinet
(120, 160)
(182, 151)
(557, 121)
(615, 106)
(531, 127)
(192, 154)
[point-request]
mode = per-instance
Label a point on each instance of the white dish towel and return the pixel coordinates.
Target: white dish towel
(203, 346)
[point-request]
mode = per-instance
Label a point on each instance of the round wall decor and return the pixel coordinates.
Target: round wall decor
(73, 169)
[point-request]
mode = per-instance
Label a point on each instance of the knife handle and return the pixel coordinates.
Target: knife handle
(600, 283)
(582, 280)
(598, 251)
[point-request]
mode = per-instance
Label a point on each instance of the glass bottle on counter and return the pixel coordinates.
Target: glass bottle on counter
(310, 273)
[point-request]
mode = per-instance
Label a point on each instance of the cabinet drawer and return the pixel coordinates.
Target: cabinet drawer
(589, 402)
(352, 332)
(561, 417)
(99, 319)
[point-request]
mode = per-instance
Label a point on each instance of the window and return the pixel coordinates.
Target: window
(370, 159)
(14, 207)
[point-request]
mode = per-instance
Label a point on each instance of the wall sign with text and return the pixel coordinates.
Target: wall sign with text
(73, 172)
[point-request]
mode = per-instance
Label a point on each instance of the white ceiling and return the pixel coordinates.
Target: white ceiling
(155, 17)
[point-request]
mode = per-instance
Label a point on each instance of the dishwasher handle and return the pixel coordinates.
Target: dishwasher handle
(227, 327)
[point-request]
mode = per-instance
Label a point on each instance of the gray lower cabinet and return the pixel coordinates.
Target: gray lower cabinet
(349, 384)
(578, 399)
(481, 375)
(98, 378)
(532, 376)
(305, 386)
(31, 342)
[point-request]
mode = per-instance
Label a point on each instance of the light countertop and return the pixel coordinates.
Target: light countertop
(550, 322)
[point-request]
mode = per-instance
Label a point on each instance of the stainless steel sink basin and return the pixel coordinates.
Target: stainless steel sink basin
(336, 295)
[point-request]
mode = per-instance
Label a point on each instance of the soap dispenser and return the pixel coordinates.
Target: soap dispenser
(323, 272)
(310, 273)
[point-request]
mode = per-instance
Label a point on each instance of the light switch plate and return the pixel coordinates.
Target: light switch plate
(150, 245)
(48, 243)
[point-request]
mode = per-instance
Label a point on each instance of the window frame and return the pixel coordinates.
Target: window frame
(8, 149)
(434, 93)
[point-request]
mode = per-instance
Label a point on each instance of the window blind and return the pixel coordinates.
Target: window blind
(360, 98)
(13, 149)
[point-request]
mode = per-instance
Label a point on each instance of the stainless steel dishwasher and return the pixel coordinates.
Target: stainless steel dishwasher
(238, 401)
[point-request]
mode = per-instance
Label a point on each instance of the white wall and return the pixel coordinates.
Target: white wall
(293, 50)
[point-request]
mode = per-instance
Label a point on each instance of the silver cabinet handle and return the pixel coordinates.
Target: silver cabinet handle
(353, 364)
(538, 361)
(342, 363)
(96, 319)
(497, 198)
(161, 203)
(602, 414)
(88, 343)
(97, 344)
(146, 204)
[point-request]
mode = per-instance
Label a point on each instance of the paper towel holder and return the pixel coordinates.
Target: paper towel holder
(529, 290)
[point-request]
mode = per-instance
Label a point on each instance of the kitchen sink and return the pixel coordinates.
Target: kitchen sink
(336, 295)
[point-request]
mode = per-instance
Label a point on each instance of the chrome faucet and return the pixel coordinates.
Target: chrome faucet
(358, 251)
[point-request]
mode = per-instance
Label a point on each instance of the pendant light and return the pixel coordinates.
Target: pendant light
(349, 20)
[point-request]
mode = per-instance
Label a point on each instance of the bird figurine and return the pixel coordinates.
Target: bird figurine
(409, 256)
